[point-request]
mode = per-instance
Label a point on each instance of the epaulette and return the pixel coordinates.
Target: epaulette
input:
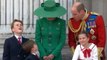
(94, 13)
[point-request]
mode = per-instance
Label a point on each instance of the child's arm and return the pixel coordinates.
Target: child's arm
(95, 53)
(76, 53)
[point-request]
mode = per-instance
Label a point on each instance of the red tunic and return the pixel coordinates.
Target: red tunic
(99, 32)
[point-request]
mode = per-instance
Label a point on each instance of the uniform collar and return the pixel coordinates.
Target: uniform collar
(86, 15)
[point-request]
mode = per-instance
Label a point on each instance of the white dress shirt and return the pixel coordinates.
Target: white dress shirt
(18, 37)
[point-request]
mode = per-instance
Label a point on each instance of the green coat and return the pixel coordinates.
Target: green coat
(50, 37)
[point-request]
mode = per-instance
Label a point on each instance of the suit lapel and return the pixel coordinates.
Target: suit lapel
(16, 41)
(23, 40)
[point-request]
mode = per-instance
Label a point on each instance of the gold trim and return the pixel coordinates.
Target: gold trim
(81, 26)
(95, 13)
(86, 15)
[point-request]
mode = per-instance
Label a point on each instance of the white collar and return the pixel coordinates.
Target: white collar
(17, 36)
(36, 53)
(90, 47)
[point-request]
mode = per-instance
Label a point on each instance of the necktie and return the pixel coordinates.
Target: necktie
(87, 52)
(19, 40)
(37, 57)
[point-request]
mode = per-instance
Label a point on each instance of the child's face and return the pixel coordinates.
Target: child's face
(83, 39)
(17, 28)
(35, 48)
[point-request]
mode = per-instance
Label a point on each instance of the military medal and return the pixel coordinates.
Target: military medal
(92, 31)
(93, 36)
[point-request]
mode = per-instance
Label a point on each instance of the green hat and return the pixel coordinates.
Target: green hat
(50, 9)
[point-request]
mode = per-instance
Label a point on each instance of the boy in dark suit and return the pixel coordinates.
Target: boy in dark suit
(12, 46)
(31, 47)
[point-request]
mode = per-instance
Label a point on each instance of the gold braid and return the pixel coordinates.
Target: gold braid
(81, 26)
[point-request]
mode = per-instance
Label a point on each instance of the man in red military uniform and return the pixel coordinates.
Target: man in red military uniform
(86, 21)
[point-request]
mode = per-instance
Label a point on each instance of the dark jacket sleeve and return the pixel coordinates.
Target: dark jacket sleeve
(6, 54)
